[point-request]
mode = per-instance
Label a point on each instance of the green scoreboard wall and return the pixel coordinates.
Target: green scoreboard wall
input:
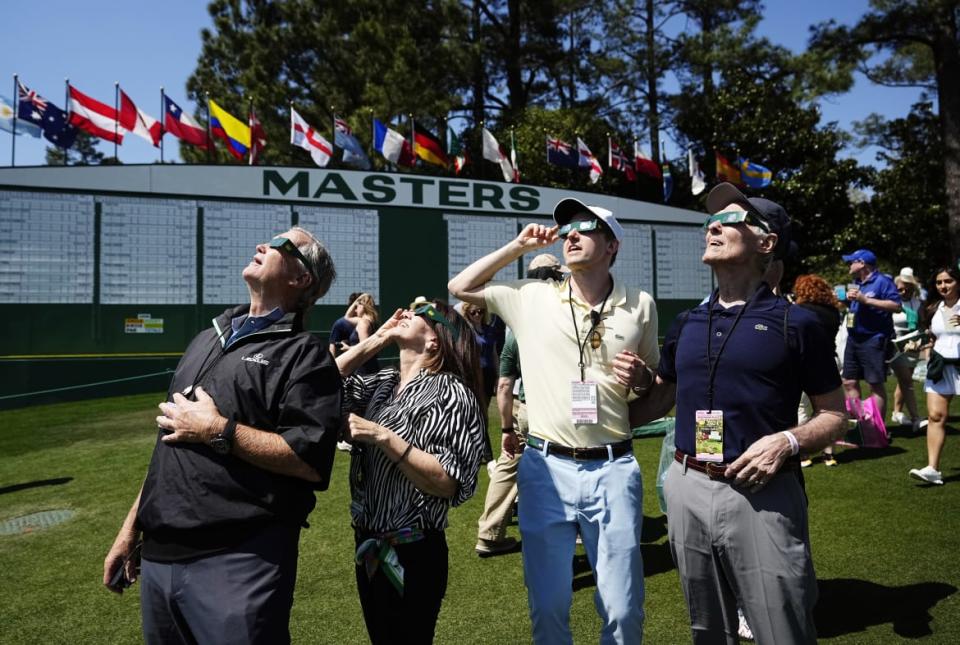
(106, 273)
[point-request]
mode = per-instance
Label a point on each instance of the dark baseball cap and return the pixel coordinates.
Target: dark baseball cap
(771, 213)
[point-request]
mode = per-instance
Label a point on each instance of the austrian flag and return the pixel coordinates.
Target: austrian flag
(99, 119)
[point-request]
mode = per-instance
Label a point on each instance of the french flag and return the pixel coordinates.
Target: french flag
(99, 119)
(181, 125)
(392, 145)
(132, 119)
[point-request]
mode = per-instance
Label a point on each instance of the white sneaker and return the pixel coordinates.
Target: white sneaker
(344, 446)
(744, 630)
(928, 475)
(918, 425)
(923, 424)
(897, 418)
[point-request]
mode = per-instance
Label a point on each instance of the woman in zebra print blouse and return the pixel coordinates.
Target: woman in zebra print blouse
(417, 435)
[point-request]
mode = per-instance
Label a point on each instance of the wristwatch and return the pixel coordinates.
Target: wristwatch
(222, 442)
(507, 430)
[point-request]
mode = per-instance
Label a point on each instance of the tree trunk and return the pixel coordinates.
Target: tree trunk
(947, 59)
(517, 100)
(653, 108)
(479, 80)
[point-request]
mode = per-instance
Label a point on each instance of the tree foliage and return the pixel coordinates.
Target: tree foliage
(83, 152)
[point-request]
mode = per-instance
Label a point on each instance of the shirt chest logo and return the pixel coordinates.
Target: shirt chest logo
(256, 358)
(760, 327)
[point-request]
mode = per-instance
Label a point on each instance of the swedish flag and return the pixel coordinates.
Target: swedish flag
(754, 175)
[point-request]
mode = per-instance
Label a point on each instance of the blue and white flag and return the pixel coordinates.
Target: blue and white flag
(561, 153)
(6, 120)
(353, 153)
(33, 108)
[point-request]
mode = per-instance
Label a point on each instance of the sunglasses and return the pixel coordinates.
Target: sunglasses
(736, 217)
(584, 226)
(286, 245)
(429, 311)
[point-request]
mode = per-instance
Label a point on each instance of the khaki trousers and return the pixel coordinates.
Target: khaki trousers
(502, 491)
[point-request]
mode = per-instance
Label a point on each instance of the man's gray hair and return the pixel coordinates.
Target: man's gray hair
(319, 265)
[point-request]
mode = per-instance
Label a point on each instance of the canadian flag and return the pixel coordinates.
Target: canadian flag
(132, 119)
(90, 115)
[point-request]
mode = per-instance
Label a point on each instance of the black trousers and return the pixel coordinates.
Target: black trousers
(243, 595)
(409, 619)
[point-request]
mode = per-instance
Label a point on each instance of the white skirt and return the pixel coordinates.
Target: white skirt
(946, 386)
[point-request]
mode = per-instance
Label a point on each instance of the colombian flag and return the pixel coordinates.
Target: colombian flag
(231, 129)
(428, 147)
(727, 171)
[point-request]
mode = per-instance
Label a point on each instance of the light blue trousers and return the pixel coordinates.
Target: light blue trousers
(603, 498)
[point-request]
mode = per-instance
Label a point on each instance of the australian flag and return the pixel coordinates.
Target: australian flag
(52, 120)
(561, 153)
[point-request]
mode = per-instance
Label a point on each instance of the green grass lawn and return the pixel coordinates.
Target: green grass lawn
(885, 546)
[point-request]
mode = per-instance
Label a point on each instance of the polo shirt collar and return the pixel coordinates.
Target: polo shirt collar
(618, 297)
(763, 300)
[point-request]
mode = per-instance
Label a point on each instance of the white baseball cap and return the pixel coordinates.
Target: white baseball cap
(565, 209)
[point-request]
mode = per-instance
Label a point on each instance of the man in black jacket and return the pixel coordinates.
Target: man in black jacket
(245, 437)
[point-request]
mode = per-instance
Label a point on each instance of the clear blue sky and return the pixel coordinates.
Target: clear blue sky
(144, 45)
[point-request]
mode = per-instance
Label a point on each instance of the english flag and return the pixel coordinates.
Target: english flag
(132, 119)
(304, 136)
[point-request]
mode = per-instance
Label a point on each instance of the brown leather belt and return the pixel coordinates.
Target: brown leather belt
(581, 454)
(714, 470)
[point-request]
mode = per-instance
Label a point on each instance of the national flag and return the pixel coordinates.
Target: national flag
(258, 138)
(616, 160)
(304, 136)
(513, 159)
(645, 164)
(353, 153)
(232, 130)
(697, 183)
(6, 120)
(428, 147)
(587, 160)
(392, 145)
(34, 109)
(493, 151)
(90, 115)
(667, 183)
(132, 119)
(754, 175)
(459, 152)
(182, 125)
(726, 171)
(560, 153)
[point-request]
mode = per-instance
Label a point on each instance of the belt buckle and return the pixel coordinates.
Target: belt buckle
(715, 471)
(580, 454)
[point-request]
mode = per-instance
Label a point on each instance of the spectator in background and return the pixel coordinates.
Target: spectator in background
(873, 301)
(907, 350)
(941, 316)
(489, 333)
(364, 316)
(341, 330)
(813, 293)
(502, 490)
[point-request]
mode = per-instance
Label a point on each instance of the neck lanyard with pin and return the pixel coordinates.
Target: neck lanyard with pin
(595, 317)
(711, 362)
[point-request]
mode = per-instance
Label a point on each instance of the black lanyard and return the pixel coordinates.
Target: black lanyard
(711, 363)
(595, 317)
(204, 368)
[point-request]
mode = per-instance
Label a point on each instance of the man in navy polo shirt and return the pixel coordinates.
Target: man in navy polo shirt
(736, 510)
(869, 327)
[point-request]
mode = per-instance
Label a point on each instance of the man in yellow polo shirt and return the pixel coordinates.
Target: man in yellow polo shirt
(588, 346)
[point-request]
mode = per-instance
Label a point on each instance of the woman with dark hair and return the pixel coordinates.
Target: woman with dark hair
(814, 293)
(940, 315)
(417, 434)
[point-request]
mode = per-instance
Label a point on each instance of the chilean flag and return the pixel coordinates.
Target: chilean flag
(132, 119)
(181, 125)
(99, 119)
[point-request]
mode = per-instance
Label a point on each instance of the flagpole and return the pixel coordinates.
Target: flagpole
(333, 133)
(250, 123)
(116, 123)
(66, 101)
(16, 108)
(163, 118)
(413, 137)
(209, 138)
(513, 158)
(635, 169)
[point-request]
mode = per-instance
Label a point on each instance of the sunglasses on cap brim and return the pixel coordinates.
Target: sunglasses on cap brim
(736, 217)
(286, 245)
(429, 311)
(583, 226)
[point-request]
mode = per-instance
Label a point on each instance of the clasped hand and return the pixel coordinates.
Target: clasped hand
(761, 461)
(190, 421)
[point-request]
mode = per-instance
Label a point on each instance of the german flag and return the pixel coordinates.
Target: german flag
(428, 147)
(727, 171)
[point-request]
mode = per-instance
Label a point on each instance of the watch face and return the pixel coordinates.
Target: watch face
(220, 445)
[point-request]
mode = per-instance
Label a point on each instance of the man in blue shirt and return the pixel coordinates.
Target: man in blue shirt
(873, 302)
(737, 513)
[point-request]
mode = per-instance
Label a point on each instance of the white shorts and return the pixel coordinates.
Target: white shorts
(949, 385)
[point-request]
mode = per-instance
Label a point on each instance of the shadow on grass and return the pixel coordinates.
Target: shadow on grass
(654, 528)
(35, 484)
(863, 454)
(847, 605)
